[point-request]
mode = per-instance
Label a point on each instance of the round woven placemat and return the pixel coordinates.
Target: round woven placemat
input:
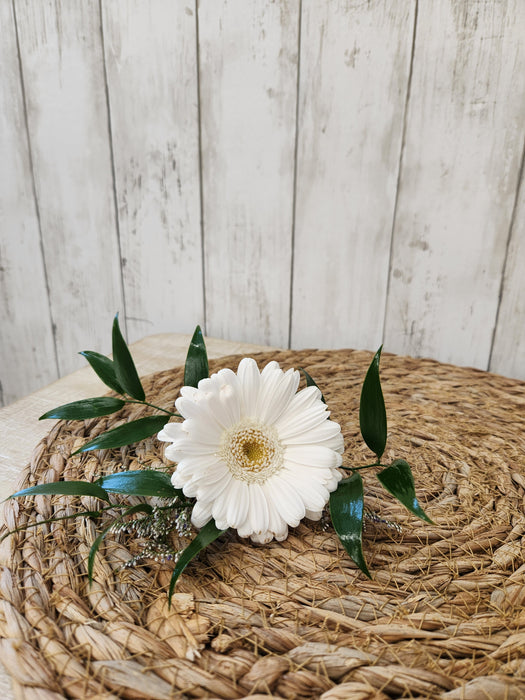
(442, 616)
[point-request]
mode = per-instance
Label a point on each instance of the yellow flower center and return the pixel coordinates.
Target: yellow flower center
(251, 450)
(254, 451)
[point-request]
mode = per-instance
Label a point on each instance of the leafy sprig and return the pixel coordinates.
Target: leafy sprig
(120, 375)
(347, 501)
(347, 507)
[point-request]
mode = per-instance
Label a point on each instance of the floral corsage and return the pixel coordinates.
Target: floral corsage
(253, 453)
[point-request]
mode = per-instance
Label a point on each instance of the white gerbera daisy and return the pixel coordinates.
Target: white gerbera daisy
(257, 455)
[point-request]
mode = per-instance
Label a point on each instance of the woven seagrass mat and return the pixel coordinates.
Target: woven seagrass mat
(442, 617)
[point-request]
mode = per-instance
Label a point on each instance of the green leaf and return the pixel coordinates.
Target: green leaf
(125, 369)
(311, 382)
(196, 367)
(126, 434)
(104, 368)
(346, 510)
(87, 408)
(139, 508)
(140, 482)
(372, 413)
(398, 480)
(65, 488)
(206, 536)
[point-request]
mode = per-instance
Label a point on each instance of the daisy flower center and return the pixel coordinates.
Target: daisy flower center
(252, 451)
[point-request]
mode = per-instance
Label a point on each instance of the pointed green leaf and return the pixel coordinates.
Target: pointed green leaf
(65, 488)
(346, 510)
(140, 482)
(104, 368)
(372, 413)
(196, 367)
(398, 480)
(311, 382)
(87, 408)
(206, 536)
(126, 434)
(139, 508)
(125, 369)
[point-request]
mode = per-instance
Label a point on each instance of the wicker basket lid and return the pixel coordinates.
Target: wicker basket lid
(442, 616)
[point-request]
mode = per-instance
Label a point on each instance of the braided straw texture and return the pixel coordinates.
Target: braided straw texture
(442, 616)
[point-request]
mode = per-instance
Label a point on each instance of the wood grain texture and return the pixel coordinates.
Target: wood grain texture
(62, 62)
(27, 354)
(151, 59)
(425, 143)
(458, 182)
(508, 352)
(248, 77)
(355, 60)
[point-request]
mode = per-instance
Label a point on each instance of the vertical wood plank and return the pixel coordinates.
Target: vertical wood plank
(508, 353)
(62, 63)
(355, 60)
(151, 59)
(459, 177)
(27, 354)
(248, 76)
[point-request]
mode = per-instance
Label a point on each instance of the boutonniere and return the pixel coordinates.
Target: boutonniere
(248, 450)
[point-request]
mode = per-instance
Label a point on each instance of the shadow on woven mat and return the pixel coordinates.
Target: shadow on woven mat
(442, 616)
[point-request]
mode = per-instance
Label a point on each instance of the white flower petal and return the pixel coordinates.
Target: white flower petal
(227, 376)
(222, 499)
(189, 392)
(276, 525)
(314, 514)
(277, 391)
(225, 405)
(313, 456)
(201, 431)
(203, 482)
(258, 511)
(286, 501)
(262, 538)
(250, 380)
(188, 466)
(238, 503)
(319, 475)
(270, 367)
(201, 513)
(327, 434)
(171, 453)
(335, 477)
(199, 462)
(172, 431)
(198, 410)
(307, 397)
(187, 447)
(314, 495)
(292, 422)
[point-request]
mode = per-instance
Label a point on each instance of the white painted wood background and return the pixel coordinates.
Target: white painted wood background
(322, 174)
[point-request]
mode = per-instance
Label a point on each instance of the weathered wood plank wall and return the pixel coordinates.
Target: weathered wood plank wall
(62, 72)
(151, 64)
(354, 77)
(248, 83)
(459, 177)
(294, 173)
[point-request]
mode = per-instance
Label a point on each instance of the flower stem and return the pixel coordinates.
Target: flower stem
(82, 514)
(365, 466)
(158, 408)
